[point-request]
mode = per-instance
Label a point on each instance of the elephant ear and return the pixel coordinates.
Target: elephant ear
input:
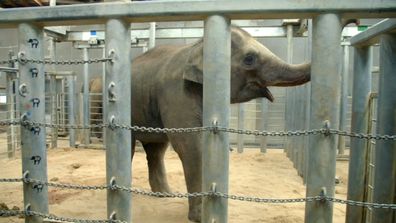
(193, 69)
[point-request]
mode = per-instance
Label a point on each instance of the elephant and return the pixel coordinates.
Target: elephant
(167, 93)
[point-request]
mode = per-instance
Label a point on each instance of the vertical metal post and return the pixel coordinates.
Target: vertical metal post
(307, 105)
(53, 96)
(357, 176)
(263, 103)
(11, 136)
(86, 111)
(241, 125)
(32, 99)
(10, 115)
(299, 141)
(289, 95)
(325, 105)
(54, 113)
(104, 98)
(151, 43)
(344, 97)
(71, 80)
(385, 152)
(216, 110)
(118, 110)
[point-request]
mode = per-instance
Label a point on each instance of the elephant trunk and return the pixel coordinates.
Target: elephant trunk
(292, 75)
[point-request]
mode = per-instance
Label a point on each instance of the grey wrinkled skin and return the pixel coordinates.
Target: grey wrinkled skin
(167, 92)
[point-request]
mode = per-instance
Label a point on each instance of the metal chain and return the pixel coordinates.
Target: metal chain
(203, 194)
(7, 62)
(27, 213)
(204, 129)
(58, 62)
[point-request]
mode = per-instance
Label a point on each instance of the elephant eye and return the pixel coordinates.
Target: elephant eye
(249, 59)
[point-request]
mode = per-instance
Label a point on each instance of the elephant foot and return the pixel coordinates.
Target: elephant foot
(194, 214)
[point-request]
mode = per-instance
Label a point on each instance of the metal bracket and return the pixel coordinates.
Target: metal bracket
(112, 96)
(112, 183)
(112, 55)
(112, 122)
(28, 209)
(323, 194)
(23, 90)
(25, 175)
(326, 125)
(213, 187)
(113, 216)
(22, 58)
(215, 126)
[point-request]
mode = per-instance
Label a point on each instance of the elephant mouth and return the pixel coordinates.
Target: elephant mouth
(267, 94)
(264, 91)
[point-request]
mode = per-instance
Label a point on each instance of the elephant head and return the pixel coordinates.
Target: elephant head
(253, 68)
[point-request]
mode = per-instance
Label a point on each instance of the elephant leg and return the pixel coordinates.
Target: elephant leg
(157, 174)
(189, 151)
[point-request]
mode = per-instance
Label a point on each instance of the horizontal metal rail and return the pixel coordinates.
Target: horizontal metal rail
(194, 10)
(372, 34)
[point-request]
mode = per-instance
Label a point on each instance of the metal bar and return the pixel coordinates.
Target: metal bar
(104, 97)
(289, 94)
(385, 152)
(53, 96)
(194, 10)
(197, 32)
(32, 105)
(263, 103)
(308, 105)
(372, 35)
(8, 69)
(71, 80)
(10, 116)
(359, 151)
(216, 111)
(152, 35)
(118, 141)
(11, 108)
(344, 97)
(241, 125)
(300, 125)
(85, 108)
(325, 97)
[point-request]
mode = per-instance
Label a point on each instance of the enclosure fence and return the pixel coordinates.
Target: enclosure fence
(38, 185)
(326, 16)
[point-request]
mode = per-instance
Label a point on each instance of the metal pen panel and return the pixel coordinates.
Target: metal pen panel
(385, 153)
(358, 152)
(216, 110)
(325, 107)
(32, 105)
(118, 110)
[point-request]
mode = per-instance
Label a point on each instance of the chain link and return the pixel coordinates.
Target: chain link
(203, 194)
(57, 62)
(7, 62)
(26, 213)
(203, 129)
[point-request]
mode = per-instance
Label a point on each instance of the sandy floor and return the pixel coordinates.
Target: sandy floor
(269, 175)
